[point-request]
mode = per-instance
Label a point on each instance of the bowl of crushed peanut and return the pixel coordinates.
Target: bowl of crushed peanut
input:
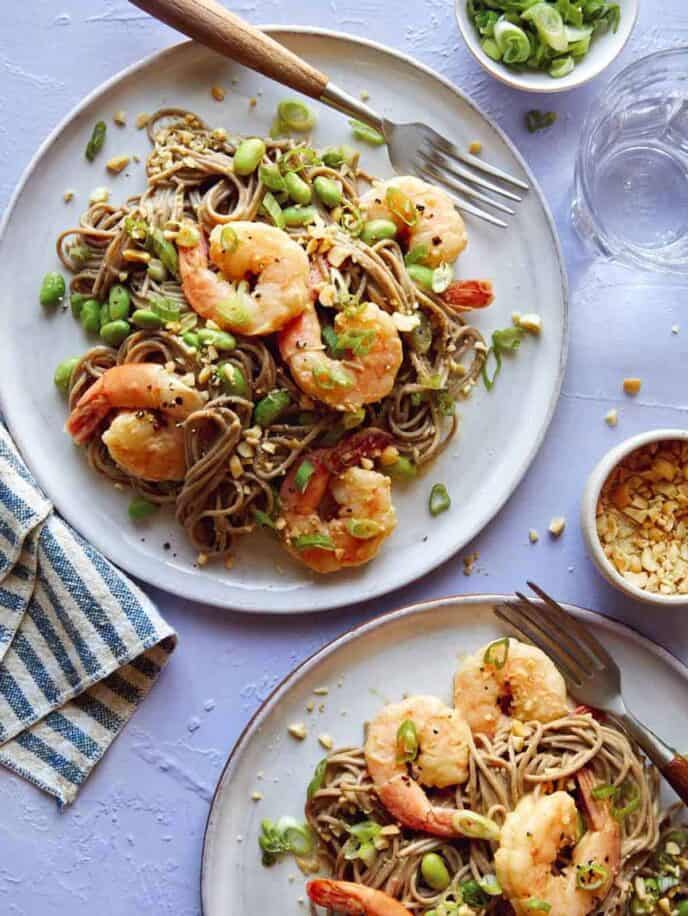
(634, 517)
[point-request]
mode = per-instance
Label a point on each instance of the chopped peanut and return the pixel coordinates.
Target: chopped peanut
(298, 730)
(557, 525)
(475, 148)
(530, 322)
(142, 120)
(117, 164)
(632, 385)
(611, 418)
(218, 93)
(120, 118)
(533, 536)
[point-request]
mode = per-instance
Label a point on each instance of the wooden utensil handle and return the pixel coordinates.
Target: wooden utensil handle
(676, 774)
(211, 24)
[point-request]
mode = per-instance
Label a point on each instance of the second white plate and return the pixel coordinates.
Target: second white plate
(500, 431)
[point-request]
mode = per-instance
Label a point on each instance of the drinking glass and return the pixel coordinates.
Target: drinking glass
(631, 181)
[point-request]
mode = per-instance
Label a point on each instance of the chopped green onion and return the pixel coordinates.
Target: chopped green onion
(96, 141)
(363, 529)
(313, 542)
(271, 407)
(604, 791)
(350, 219)
(163, 249)
(358, 340)
(477, 826)
(446, 404)
(473, 894)
(549, 25)
(297, 837)
(318, 779)
(262, 518)
(561, 67)
(512, 41)
(402, 469)
(491, 48)
(401, 205)
(507, 340)
(540, 905)
(407, 742)
(140, 509)
(490, 885)
(188, 236)
(539, 120)
(298, 159)
(303, 475)
(167, 309)
(442, 277)
(368, 134)
(273, 209)
(229, 240)
(591, 877)
(352, 419)
(416, 255)
(629, 793)
(294, 115)
(439, 499)
(497, 653)
(360, 844)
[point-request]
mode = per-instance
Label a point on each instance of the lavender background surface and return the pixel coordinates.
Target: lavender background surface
(132, 843)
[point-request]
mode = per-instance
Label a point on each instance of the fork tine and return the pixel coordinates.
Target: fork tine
(467, 207)
(601, 657)
(538, 618)
(454, 152)
(461, 186)
(441, 160)
(512, 615)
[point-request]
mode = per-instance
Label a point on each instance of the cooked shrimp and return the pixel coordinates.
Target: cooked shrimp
(146, 386)
(508, 675)
(246, 251)
(433, 220)
(343, 513)
(353, 899)
(146, 446)
(533, 836)
(365, 374)
(442, 737)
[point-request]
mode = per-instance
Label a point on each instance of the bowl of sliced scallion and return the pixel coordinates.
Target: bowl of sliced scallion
(546, 45)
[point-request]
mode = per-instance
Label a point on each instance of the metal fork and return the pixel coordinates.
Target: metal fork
(592, 675)
(413, 148)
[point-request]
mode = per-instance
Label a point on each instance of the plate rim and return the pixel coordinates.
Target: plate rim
(155, 575)
(360, 630)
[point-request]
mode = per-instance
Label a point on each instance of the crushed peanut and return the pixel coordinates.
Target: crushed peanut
(475, 148)
(389, 456)
(321, 691)
(252, 102)
(533, 536)
(136, 256)
(68, 196)
(117, 164)
(218, 93)
(326, 741)
(530, 322)
(611, 418)
(364, 95)
(557, 525)
(675, 329)
(99, 195)
(142, 120)
(632, 385)
(642, 517)
(235, 467)
(256, 796)
(120, 118)
(298, 730)
(202, 559)
(469, 562)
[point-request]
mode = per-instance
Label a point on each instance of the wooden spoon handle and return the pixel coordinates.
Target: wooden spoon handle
(676, 774)
(211, 24)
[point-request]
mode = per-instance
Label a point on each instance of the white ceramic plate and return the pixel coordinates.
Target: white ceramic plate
(500, 432)
(412, 650)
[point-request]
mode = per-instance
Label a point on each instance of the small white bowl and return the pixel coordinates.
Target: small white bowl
(603, 50)
(591, 495)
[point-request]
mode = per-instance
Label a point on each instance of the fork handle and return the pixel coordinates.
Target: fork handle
(672, 765)
(209, 23)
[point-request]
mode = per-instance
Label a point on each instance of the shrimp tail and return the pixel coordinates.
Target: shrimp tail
(335, 895)
(598, 813)
(464, 295)
(369, 443)
(90, 411)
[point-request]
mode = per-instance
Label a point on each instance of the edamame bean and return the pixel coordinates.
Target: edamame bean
(90, 316)
(402, 469)
(191, 340)
(297, 188)
(146, 319)
(376, 229)
(63, 373)
(328, 190)
(119, 302)
(422, 275)
(682, 908)
(140, 508)
(233, 380)
(114, 332)
(298, 216)
(76, 301)
(269, 408)
(221, 340)
(52, 289)
(104, 314)
(156, 271)
(435, 872)
(248, 155)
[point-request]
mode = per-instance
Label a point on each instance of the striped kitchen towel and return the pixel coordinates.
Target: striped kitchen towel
(80, 644)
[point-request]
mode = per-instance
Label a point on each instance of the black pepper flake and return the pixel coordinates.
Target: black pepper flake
(437, 240)
(166, 545)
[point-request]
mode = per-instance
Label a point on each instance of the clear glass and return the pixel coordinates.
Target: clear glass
(631, 182)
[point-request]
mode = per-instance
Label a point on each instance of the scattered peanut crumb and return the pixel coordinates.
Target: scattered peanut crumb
(611, 418)
(68, 196)
(321, 707)
(632, 385)
(256, 796)
(136, 256)
(557, 525)
(229, 561)
(202, 559)
(326, 741)
(533, 536)
(675, 329)
(310, 706)
(99, 195)
(252, 102)
(117, 164)
(475, 148)
(142, 120)
(291, 878)
(298, 730)
(469, 562)
(218, 93)
(515, 318)
(530, 322)
(120, 118)
(389, 456)
(321, 691)
(367, 463)
(365, 95)
(236, 468)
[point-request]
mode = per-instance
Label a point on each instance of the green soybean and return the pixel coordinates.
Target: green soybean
(682, 908)
(96, 141)
(233, 380)
(140, 509)
(435, 872)
(402, 469)
(63, 373)
(191, 340)
(298, 216)
(328, 190)
(248, 155)
(269, 408)
(52, 289)
(90, 316)
(114, 332)
(297, 188)
(421, 275)
(376, 229)
(221, 340)
(119, 302)
(147, 319)
(76, 301)
(104, 316)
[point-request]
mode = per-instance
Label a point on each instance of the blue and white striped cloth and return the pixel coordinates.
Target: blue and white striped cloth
(80, 644)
